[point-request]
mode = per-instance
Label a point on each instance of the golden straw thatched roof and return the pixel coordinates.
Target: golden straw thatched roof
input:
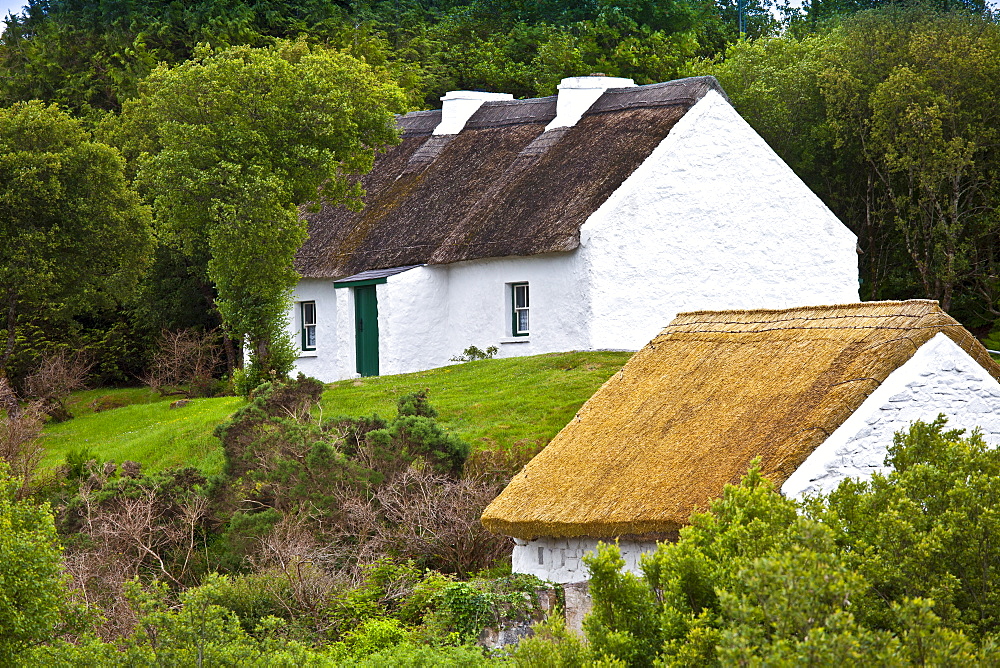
(689, 412)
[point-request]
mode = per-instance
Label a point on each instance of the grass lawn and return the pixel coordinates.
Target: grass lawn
(489, 403)
(149, 431)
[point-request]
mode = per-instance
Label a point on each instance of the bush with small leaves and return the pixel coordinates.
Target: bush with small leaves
(33, 591)
(415, 403)
(896, 570)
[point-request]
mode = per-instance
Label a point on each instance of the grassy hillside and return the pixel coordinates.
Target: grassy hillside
(488, 403)
(148, 431)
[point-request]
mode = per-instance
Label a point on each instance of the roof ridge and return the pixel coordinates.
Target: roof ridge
(823, 328)
(820, 307)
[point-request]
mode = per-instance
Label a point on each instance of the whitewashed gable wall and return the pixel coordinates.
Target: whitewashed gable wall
(713, 219)
(939, 378)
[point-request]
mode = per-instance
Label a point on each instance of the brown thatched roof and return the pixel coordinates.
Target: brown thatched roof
(500, 187)
(689, 412)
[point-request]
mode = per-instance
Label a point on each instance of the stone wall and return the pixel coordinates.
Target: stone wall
(561, 559)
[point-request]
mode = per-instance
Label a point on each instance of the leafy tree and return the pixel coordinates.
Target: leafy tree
(31, 577)
(917, 92)
(92, 55)
(897, 570)
(815, 12)
(75, 235)
(227, 147)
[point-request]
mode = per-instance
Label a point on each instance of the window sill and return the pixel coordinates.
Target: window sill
(516, 339)
(308, 353)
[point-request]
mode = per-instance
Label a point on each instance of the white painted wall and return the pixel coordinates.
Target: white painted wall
(480, 304)
(939, 378)
(334, 329)
(713, 219)
(412, 320)
(429, 314)
(561, 559)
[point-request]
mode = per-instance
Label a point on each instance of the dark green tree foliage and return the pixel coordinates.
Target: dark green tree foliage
(272, 404)
(415, 404)
(813, 12)
(899, 570)
(75, 236)
(92, 55)
(409, 437)
(229, 144)
(527, 48)
(413, 434)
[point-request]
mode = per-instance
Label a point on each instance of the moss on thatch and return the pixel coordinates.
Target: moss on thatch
(713, 391)
(499, 188)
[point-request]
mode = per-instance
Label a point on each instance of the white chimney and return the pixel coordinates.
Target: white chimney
(457, 107)
(576, 94)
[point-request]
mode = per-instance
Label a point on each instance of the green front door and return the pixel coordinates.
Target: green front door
(366, 329)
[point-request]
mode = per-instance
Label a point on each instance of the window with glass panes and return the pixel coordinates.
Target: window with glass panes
(519, 308)
(307, 315)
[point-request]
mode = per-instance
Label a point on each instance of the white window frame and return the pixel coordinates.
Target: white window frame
(517, 313)
(307, 327)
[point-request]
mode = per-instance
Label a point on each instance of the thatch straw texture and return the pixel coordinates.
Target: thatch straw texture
(500, 187)
(689, 412)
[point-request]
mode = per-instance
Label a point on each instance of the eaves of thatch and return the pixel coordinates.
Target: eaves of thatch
(501, 187)
(714, 390)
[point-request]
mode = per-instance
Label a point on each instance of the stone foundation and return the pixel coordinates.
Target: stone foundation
(561, 559)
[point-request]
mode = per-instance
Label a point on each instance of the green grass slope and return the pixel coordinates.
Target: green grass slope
(151, 433)
(488, 403)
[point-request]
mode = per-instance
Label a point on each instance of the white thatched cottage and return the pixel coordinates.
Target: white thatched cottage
(580, 221)
(817, 393)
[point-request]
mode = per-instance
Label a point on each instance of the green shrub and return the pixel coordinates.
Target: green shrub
(411, 436)
(409, 655)
(33, 592)
(464, 609)
(415, 403)
(473, 353)
(896, 570)
(76, 462)
(241, 536)
(251, 597)
(552, 645)
(375, 635)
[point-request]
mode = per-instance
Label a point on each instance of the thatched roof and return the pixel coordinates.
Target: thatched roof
(500, 187)
(714, 390)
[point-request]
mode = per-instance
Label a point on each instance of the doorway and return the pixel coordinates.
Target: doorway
(366, 329)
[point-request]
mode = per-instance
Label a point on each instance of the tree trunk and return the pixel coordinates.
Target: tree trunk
(234, 360)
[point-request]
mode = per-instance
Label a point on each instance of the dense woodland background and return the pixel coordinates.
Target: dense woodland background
(151, 152)
(888, 111)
